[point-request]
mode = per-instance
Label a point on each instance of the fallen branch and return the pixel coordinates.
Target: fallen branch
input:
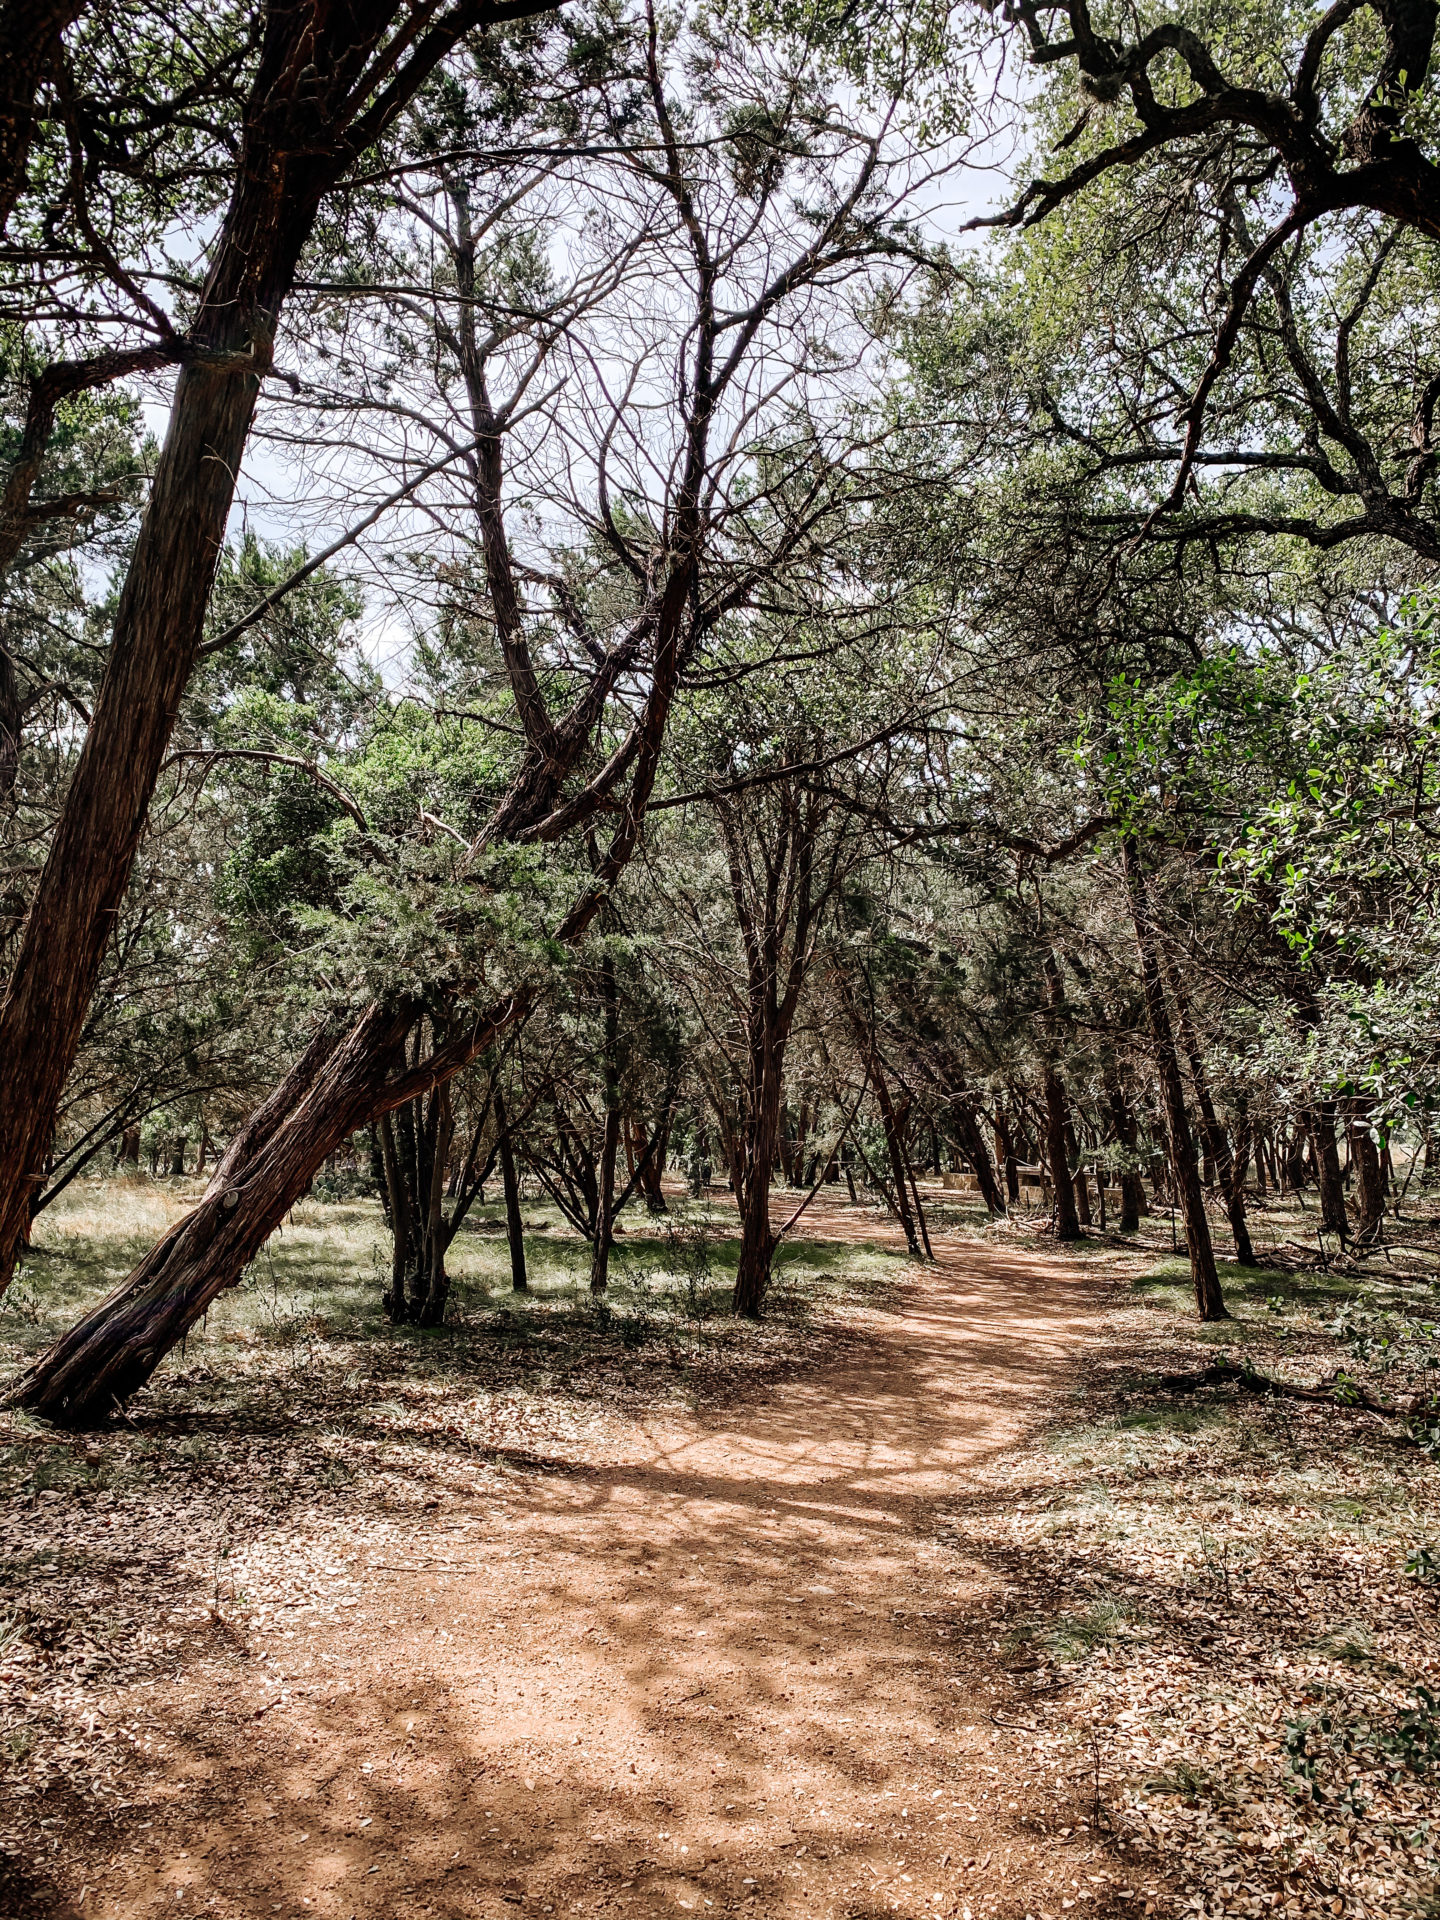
(1338, 1391)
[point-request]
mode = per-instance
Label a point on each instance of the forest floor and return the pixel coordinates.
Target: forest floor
(923, 1596)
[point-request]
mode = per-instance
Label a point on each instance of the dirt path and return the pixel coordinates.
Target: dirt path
(715, 1670)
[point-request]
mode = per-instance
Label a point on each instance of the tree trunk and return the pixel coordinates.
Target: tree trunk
(652, 1170)
(296, 138)
(514, 1225)
(112, 1351)
(895, 1148)
(1369, 1183)
(610, 1138)
(971, 1143)
(1077, 1175)
(398, 1211)
(416, 1142)
(1067, 1220)
(1216, 1138)
(1005, 1154)
(30, 33)
(1320, 1124)
(1209, 1301)
(759, 1132)
(430, 1283)
(919, 1210)
(1132, 1187)
(1057, 1112)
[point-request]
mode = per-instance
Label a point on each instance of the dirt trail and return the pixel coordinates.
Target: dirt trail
(712, 1671)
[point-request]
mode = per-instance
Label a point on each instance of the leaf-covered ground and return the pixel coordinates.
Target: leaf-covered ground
(1200, 1677)
(1227, 1604)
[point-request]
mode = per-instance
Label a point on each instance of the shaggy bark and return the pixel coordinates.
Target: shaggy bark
(1319, 1123)
(1005, 1154)
(113, 1350)
(610, 1135)
(30, 40)
(772, 889)
(309, 110)
(1369, 1174)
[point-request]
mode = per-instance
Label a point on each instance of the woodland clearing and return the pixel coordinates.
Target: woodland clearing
(918, 1597)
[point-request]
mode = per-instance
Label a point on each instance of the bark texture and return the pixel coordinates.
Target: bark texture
(30, 40)
(308, 112)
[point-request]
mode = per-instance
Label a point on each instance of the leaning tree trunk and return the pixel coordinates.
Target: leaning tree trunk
(895, 1148)
(157, 629)
(971, 1143)
(312, 81)
(113, 1350)
(1209, 1300)
(336, 1087)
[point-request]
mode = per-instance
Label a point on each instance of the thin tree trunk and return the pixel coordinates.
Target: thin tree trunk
(1132, 1187)
(1369, 1184)
(972, 1145)
(514, 1225)
(1078, 1180)
(1057, 1114)
(610, 1137)
(1067, 1219)
(760, 1133)
(431, 1282)
(919, 1210)
(1216, 1138)
(1209, 1300)
(1005, 1154)
(895, 1149)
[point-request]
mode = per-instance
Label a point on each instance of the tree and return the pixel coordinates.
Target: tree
(716, 235)
(325, 87)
